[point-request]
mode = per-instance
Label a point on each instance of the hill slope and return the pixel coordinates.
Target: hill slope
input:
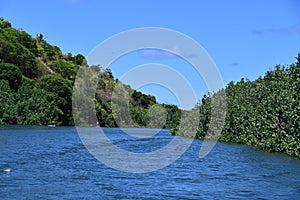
(37, 82)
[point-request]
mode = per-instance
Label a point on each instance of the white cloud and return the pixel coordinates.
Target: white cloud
(157, 54)
(295, 29)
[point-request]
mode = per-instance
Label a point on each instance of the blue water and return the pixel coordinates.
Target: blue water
(52, 163)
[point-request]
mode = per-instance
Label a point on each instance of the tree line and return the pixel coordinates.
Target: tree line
(264, 113)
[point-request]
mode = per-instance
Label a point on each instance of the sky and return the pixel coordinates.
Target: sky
(243, 38)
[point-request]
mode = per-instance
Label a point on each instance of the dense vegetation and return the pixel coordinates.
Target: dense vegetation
(264, 113)
(36, 83)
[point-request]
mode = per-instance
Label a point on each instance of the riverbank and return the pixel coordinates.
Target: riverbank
(264, 113)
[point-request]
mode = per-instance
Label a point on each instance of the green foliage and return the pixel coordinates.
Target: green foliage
(140, 99)
(50, 52)
(66, 69)
(29, 105)
(60, 91)
(173, 115)
(4, 23)
(12, 74)
(108, 73)
(5, 93)
(104, 114)
(204, 118)
(24, 61)
(79, 60)
(264, 113)
(17, 47)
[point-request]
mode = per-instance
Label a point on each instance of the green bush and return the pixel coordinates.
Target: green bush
(12, 74)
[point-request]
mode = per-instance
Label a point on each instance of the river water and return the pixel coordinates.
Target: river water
(52, 163)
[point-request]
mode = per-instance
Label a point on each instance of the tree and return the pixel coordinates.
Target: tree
(13, 51)
(61, 90)
(66, 69)
(79, 60)
(12, 74)
(4, 23)
(108, 73)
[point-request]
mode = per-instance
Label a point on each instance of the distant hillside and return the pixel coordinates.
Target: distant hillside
(37, 81)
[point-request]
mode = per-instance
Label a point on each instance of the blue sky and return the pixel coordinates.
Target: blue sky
(244, 38)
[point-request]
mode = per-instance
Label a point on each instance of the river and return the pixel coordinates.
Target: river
(52, 163)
